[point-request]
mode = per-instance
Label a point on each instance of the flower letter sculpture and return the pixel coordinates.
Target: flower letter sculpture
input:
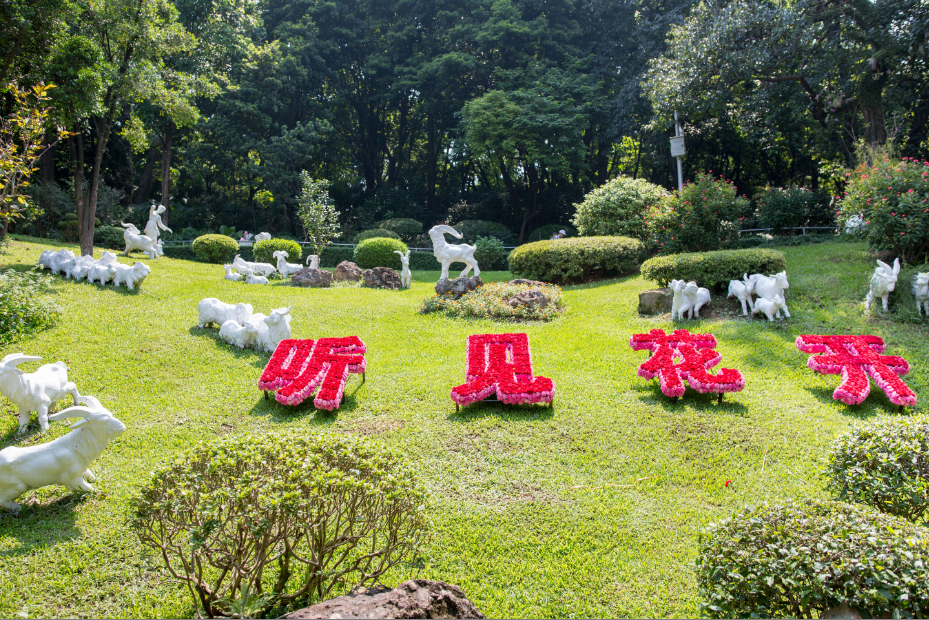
(696, 355)
(502, 363)
(856, 358)
(298, 367)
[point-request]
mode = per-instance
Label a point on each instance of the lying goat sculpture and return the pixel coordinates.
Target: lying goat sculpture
(264, 269)
(448, 254)
(883, 282)
(283, 267)
(34, 391)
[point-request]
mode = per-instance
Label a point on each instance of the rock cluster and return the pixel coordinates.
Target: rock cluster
(317, 278)
(348, 271)
(656, 301)
(382, 277)
(528, 298)
(458, 286)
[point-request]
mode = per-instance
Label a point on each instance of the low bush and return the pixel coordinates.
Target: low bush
(704, 215)
(215, 248)
(375, 233)
(618, 208)
(576, 260)
(379, 252)
(797, 560)
(110, 237)
(543, 233)
(254, 523)
(405, 227)
(489, 253)
(472, 229)
(264, 250)
(489, 302)
(884, 463)
(25, 304)
(713, 268)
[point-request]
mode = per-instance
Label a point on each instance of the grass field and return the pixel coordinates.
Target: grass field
(591, 508)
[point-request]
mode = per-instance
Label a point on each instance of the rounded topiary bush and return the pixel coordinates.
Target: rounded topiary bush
(294, 516)
(264, 250)
(375, 233)
(543, 233)
(215, 248)
(405, 227)
(489, 253)
(109, 237)
(576, 260)
(884, 463)
(379, 252)
(797, 560)
(618, 208)
(472, 229)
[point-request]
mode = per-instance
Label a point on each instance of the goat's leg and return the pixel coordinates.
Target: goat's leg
(786, 311)
(744, 307)
(79, 484)
(24, 413)
(477, 270)
(89, 475)
(9, 494)
(71, 388)
(445, 265)
(868, 300)
(42, 413)
(465, 270)
(884, 301)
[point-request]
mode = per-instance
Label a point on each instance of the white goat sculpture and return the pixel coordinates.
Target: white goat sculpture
(770, 307)
(313, 261)
(234, 277)
(213, 311)
(54, 260)
(137, 241)
(251, 278)
(271, 329)
(265, 269)
(679, 303)
(263, 236)
(65, 460)
(448, 254)
(405, 275)
(883, 282)
(238, 334)
(767, 287)
(697, 297)
(283, 267)
(78, 267)
(130, 276)
(34, 391)
(743, 292)
(921, 292)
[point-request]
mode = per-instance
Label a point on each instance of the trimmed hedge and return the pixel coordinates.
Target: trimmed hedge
(331, 256)
(576, 260)
(110, 237)
(182, 252)
(264, 250)
(797, 560)
(713, 268)
(215, 248)
(374, 233)
(405, 227)
(379, 252)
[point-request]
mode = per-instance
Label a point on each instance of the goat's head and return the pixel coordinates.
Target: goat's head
(922, 281)
(404, 258)
(781, 279)
(11, 361)
(691, 288)
(887, 273)
(677, 285)
(94, 414)
(140, 270)
(280, 254)
(437, 233)
(278, 316)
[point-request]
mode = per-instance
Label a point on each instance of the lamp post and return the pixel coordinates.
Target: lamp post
(678, 150)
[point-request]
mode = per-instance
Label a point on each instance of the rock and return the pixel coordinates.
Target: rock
(317, 278)
(656, 301)
(528, 298)
(347, 270)
(458, 286)
(417, 598)
(843, 612)
(529, 282)
(382, 277)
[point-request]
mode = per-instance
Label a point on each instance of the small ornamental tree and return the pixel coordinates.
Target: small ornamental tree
(317, 213)
(617, 208)
(783, 208)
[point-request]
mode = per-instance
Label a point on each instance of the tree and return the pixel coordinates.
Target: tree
(319, 217)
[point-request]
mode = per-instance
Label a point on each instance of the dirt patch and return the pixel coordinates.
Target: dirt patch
(366, 427)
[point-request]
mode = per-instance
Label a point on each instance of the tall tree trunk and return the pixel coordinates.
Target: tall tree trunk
(166, 170)
(874, 134)
(140, 196)
(103, 127)
(47, 162)
(430, 160)
(9, 59)
(76, 151)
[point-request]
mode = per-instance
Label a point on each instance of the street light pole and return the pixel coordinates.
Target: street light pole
(679, 134)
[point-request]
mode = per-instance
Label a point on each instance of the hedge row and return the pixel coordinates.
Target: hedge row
(713, 268)
(576, 260)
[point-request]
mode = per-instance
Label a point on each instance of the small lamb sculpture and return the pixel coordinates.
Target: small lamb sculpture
(283, 267)
(921, 292)
(79, 267)
(251, 278)
(265, 269)
(102, 273)
(130, 276)
(235, 277)
(770, 307)
(679, 302)
(743, 292)
(34, 391)
(697, 297)
(405, 276)
(240, 335)
(313, 261)
(883, 282)
(53, 260)
(213, 311)
(65, 460)
(767, 287)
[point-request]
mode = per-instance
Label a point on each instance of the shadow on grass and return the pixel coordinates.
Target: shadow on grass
(650, 394)
(870, 408)
(581, 286)
(38, 525)
(282, 414)
(260, 358)
(506, 413)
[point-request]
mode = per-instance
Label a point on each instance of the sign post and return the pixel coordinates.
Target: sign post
(678, 150)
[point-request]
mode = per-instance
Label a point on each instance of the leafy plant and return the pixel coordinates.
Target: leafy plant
(264, 250)
(489, 253)
(258, 522)
(618, 208)
(405, 227)
(25, 306)
(375, 233)
(472, 229)
(713, 268)
(797, 560)
(215, 248)
(884, 463)
(110, 237)
(228, 231)
(576, 260)
(543, 233)
(317, 213)
(489, 302)
(379, 252)
(783, 208)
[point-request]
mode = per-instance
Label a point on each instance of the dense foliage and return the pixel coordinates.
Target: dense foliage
(379, 252)
(576, 260)
(405, 227)
(317, 213)
(264, 250)
(472, 229)
(254, 523)
(490, 302)
(374, 233)
(545, 232)
(110, 237)
(797, 560)
(215, 248)
(25, 304)
(713, 268)
(618, 208)
(884, 463)
(490, 253)
(783, 208)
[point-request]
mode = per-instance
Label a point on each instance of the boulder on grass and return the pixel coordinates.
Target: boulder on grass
(317, 278)
(417, 598)
(382, 277)
(528, 298)
(347, 270)
(458, 286)
(657, 301)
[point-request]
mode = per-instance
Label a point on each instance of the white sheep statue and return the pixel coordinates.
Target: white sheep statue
(271, 329)
(448, 254)
(265, 269)
(130, 276)
(283, 267)
(79, 267)
(34, 391)
(743, 292)
(234, 277)
(769, 307)
(238, 334)
(405, 275)
(697, 297)
(135, 240)
(679, 303)
(921, 292)
(53, 260)
(883, 282)
(767, 287)
(251, 278)
(213, 311)
(263, 236)
(65, 460)
(101, 273)
(313, 261)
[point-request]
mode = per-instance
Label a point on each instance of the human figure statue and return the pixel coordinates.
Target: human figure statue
(154, 222)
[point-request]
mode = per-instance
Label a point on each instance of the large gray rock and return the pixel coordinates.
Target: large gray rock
(528, 298)
(656, 301)
(382, 277)
(347, 270)
(317, 278)
(458, 286)
(417, 598)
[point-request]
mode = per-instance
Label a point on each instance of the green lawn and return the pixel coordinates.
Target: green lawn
(536, 511)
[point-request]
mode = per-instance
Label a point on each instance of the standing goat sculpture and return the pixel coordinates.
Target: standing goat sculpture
(405, 275)
(34, 391)
(767, 287)
(313, 261)
(883, 282)
(921, 292)
(65, 460)
(743, 292)
(137, 241)
(448, 254)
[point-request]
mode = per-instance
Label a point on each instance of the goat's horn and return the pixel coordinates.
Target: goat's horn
(77, 411)
(448, 229)
(15, 359)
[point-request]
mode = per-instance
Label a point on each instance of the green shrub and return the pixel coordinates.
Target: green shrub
(375, 233)
(618, 208)
(489, 302)
(336, 510)
(576, 260)
(405, 227)
(783, 208)
(25, 305)
(798, 560)
(902, 299)
(472, 229)
(543, 233)
(489, 253)
(182, 252)
(884, 463)
(110, 237)
(264, 250)
(215, 248)
(423, 261)
(704, 215)
(892, 197)
(713, 268)
(332, 256)
(379, 252)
